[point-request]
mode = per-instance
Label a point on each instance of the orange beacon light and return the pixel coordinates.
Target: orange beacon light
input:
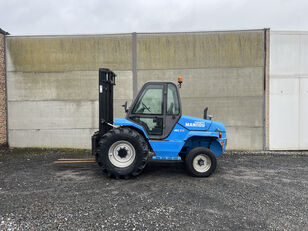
(180, 80)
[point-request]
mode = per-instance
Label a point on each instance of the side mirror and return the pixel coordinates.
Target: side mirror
(205, 113)
(205, 116)
(125, 106)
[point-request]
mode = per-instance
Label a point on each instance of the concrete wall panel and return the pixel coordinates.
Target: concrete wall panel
(245, 138)
(237, 111)
(57, 114)
(69, 53)
(200, 50)
(211, 82)
(65, 138)
(53, 114)
(75, 85)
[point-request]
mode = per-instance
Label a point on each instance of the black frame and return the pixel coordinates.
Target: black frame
(106, 81)
(169, 120)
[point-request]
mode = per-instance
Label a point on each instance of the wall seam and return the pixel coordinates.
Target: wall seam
(264, 96)
(161, 69)
(95, 100)
(134, 57)
(200, 68)
(6, 91)
(266, 92)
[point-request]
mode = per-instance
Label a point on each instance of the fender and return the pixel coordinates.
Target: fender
(126, 122)
(205, 139)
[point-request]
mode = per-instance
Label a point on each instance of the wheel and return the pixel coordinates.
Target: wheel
(123, 153)
(200, 162)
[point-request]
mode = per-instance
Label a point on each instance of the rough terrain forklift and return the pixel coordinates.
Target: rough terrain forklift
(154, 127)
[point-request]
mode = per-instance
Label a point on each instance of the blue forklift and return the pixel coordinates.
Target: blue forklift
(154, 127)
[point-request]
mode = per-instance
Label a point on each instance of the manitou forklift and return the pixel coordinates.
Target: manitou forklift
(154, 127)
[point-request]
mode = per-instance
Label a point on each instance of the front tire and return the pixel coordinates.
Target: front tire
(200, 162)
(123, 153)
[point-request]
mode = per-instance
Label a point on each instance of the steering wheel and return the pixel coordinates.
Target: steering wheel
(145, 106)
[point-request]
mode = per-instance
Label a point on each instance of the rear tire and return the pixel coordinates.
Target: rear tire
(122, 153)
(200, 162)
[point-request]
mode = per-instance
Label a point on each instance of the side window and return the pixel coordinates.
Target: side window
(172, 101)
(151, 101)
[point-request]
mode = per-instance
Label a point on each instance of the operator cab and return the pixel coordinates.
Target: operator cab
(157, 108)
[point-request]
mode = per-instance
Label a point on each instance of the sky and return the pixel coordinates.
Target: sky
(44, 17)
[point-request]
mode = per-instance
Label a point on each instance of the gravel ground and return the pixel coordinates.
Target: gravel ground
(248, 191)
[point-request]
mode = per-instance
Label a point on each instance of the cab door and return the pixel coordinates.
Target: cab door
(156, 109)
(148, 109)
(173, 108)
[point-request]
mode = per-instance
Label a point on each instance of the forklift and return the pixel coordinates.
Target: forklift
(153, 128)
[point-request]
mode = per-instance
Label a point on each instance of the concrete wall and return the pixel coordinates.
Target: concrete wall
(221, 70)
(52, 82)
(53, 87)
(288, 90)
(3, 135)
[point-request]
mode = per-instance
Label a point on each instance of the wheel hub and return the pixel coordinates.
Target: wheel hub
(202, 163)
(122, 154)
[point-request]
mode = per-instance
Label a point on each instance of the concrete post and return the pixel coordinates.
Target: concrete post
(266, 87)
(134, 54)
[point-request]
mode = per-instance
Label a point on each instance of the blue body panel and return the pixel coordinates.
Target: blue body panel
(194, 124)
(188, 133)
